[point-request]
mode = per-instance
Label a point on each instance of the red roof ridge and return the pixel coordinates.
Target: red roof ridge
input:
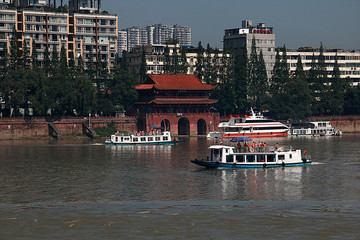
(175, 81)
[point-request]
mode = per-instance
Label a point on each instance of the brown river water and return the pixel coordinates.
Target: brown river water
(86, 190)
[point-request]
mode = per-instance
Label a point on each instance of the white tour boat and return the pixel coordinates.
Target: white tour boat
(320, 128)
(154, 137)
(255, 125)
(230, 157)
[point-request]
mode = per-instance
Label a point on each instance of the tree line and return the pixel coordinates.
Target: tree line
(59, 87)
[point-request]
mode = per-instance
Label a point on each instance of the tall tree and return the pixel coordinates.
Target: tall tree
(338, 89)
(183, 61)
(253, 71)
(300, 97)
(199, 66)
(279, 87)
(143, 71)
(240, 76)
(34, 56)
(261, 83)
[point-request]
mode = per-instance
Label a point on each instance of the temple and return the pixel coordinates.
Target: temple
(178, 103)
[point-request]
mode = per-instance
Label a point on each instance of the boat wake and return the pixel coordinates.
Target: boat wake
(317, 163)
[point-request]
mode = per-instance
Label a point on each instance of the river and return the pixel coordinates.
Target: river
(86, 190)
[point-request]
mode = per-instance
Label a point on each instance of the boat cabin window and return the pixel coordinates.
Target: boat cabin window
(281, 157)
(165, 138)
(216, 151)
(240, 158)
(150, 139)
(116, 139)
(238, 120)
(260, 158)
(290, 156)
(143, 139)
(229, 158)
(271, 158)
(157, 138)
(250, 158)
(135, 139)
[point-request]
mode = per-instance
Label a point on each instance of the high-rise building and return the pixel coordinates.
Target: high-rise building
(83, 32)
(162, 33)
(182, 34)
(264, 36)
(156, 34)
(122, 41)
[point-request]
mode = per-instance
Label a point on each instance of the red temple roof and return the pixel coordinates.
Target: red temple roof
(180, 101)
(174, 82)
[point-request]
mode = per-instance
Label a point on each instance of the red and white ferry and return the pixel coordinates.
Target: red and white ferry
(255, 125)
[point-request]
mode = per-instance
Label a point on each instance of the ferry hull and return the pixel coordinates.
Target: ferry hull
(144, 143)
(259, 134)
(247, 165)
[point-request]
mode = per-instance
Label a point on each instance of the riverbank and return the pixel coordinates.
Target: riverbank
(60, 128)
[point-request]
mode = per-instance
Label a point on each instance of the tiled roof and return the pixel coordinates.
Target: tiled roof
(181, 101)
(174, 82)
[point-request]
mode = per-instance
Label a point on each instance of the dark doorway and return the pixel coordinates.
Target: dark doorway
(183, 126)
(165, 124)
(201, 127)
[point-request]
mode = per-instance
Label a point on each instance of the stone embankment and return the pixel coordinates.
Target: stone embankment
(32, 128)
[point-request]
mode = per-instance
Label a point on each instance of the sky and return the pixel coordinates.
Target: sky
(296, 23)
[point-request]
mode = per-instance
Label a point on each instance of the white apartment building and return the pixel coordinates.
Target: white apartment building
(349, 62)
(236, 38)
(155, 58)
(182, 34)
(155, 34)
(122, 41)
(7, 24)
(95, 35)
(86, 33)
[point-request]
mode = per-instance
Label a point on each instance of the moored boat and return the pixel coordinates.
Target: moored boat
(222, 156)
(153, 137)
(255, 125)
(319, 128)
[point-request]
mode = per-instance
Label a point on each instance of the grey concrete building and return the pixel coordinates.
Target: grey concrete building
(236, 38)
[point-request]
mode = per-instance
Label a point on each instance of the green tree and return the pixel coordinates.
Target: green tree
(279, 87)
(240, 76)
(338, 90)
(300, 97)
(183, 61)
(38, 95)
(352, 101)
(143, 71)
(261, 83)
(199, 67)
(34, 56)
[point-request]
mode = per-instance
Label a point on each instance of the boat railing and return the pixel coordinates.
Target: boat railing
(141, 133)
(262, 149)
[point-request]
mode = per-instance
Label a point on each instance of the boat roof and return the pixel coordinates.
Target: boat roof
(219, 146)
